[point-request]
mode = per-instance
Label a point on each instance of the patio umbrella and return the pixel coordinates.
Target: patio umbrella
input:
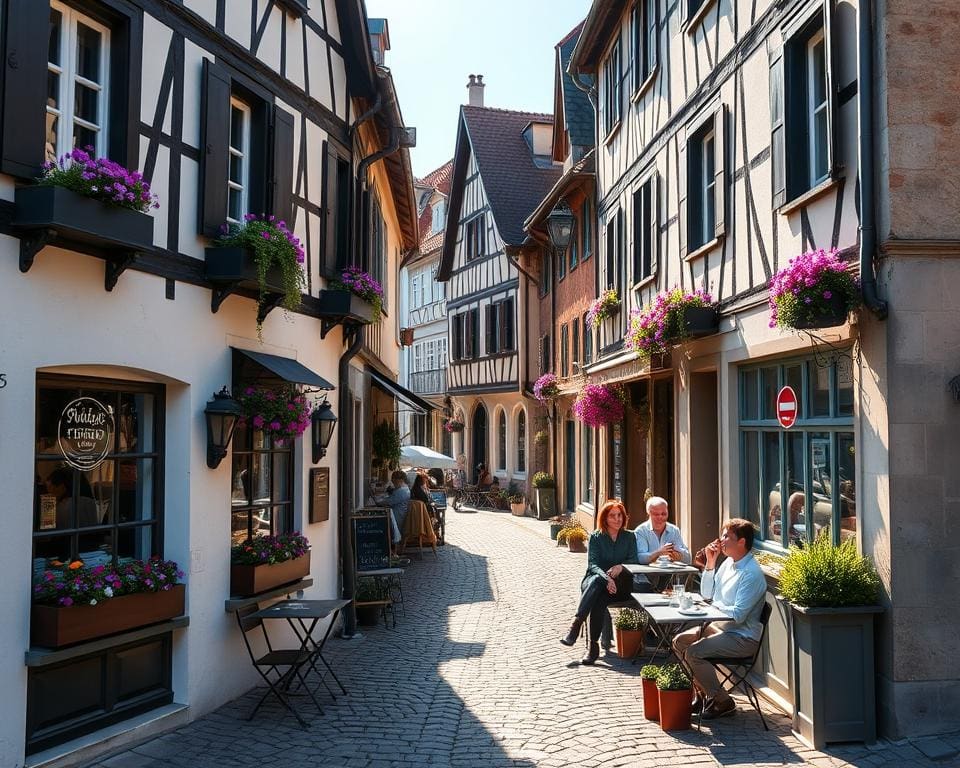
(421, 456)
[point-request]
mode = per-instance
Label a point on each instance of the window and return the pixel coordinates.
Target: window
(112, 512)
(238, 180)
(418, 357)
(575, 353)
(705, 177)
(466, 335)
(645, 235)
(521, 441)
(643, 40)
(442, 353)
(561, 264)
(439, 217)
(564, 350)
(587, 342)
(586, 227)
(502, 441)
(475, 237)
(573, 252)
(611, 90)
(616, 253)
(586, 475)
(78, 63)
(813, 464)
(335, 222)
(694, 7)
(500, 324)
(546, 364)
(546, 273)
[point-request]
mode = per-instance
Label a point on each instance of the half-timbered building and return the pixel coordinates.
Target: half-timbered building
(502, 168)
(227, 108)
(731, 137)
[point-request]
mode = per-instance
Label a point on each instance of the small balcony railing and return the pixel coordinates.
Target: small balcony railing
(432, 382)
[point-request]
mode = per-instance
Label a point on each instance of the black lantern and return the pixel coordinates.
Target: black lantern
(221, 414)
(322, 423)
(560, 226)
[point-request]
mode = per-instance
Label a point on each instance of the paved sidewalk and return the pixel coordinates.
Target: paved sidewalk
(474, 675)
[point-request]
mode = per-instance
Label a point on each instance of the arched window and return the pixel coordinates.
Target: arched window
(522, 441)
(502, 440)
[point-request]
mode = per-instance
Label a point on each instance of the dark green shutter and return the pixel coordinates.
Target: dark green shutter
(475, 332)
(328, 221)
(508, 324)
(25, 88)
(778, 170)
(654, 192)
(491, 335)
(282, 182)
(214, 148)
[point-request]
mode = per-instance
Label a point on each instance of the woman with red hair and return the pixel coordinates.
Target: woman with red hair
(606, 581)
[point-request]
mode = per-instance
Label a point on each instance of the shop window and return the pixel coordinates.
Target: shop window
(798, 483)
(261, 495)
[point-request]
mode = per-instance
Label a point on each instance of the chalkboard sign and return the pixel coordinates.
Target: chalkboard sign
(371, 541)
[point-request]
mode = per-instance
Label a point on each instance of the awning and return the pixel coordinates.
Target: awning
(287, 369)
(418, 404)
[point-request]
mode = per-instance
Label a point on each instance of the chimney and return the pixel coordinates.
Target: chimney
(475, 90)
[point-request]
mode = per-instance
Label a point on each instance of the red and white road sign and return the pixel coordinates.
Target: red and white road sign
(787, 407)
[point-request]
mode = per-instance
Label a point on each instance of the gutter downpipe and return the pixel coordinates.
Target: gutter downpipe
(868, 208)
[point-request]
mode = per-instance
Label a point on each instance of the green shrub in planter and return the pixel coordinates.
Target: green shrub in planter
(544, 480)
(824, 576)
(631, 620)
(649, 672)
(671, 677)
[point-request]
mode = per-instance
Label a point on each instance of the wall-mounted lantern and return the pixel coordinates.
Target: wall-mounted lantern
(322, 423)
(221, 415)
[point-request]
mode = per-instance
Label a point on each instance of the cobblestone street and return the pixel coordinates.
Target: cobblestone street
(473, 675)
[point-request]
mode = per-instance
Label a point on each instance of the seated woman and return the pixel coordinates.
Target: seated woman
(420, 492)
(606, 580)
(484, 478)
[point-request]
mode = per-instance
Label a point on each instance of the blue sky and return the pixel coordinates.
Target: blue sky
(436, 44)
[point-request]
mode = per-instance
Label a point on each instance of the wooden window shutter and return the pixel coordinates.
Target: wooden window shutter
(366, 230)
(720, 169)
(508, 309)
(491, 334)
(621, 254)
(328, 223)
(281, 202)
(653, 189)
(683, 175)
(475, 332)
(833, 154)
(778, 159)
(214, 144)
(457, 336)
(25, 88)
(611, 259)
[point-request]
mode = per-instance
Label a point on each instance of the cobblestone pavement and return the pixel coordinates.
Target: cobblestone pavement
(473, 675)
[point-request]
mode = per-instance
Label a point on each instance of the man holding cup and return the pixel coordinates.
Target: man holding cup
(656, 538)
(737, 588)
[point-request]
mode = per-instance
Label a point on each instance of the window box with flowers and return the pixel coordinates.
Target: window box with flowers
(265, 562)
(814, 290)
(607, 305)
(598, 405)
(546, 388)
(260, 255)
(87, 202)
(76, 602)
(356, 297)
(672, 317)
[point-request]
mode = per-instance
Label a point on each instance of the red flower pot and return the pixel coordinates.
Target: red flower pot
(675, 709)
(576, 545)
(651, 699)
(628, 641)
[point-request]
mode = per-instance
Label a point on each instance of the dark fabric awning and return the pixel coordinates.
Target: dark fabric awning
(287, 369)
(418, 404)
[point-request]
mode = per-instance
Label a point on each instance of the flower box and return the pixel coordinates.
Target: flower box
(343, 304)
(248, 580)
(701, 321)
(53, 626)
(828, 315)
(235, 266)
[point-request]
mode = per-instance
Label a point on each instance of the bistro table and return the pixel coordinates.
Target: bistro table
(669, 621)
(389, 588)
(663, 573)
(298, 613)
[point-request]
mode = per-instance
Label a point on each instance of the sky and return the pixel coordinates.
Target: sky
(436, 44)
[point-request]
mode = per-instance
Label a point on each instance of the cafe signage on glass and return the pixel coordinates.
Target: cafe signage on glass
(85, 433)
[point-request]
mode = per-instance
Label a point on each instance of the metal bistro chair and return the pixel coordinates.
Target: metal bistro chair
(738, 667)
(272, 661)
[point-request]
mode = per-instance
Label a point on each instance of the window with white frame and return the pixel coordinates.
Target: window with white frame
(238, 178)
(817, 115)
(502, 441)
(418, 357)
(611, 89)
(439, 217)
(78, 63)
(701, 174)
(643, 39)
(521, 441)
(416, 299)
(442, 353)
(645, 230)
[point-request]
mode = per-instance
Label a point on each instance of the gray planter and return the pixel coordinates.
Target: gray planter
(546, 500)
(833, 674)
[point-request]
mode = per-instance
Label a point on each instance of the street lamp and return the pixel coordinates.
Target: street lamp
(560, 226)
(322, 423)
(221, 415)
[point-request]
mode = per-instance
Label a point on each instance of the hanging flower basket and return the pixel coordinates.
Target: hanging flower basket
(282, 412)
(362, 285)
(546, 388)
(600, 404)
(606, 306)
(453, 425)
(815, 290)
(673, 316)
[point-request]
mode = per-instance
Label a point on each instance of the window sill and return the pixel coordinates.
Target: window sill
(645, 85)
(612, 133)
(807, 197)
(235, 604)
(43, 657)
(640, 284)
(703, 250)
(691, 24)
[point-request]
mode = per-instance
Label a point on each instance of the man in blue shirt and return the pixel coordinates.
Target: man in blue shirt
(737, 588)
(656, 537)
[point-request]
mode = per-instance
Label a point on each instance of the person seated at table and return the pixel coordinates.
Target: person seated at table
(737, 588)
(657, 538)
(484, 478)
(420, 492)
(606, 580)
(398, 500)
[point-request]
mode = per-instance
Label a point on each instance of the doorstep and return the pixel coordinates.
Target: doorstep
(90, 746)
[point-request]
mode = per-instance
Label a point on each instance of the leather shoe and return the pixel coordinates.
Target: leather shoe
(592, 654)
(571, 637)
(697, 703)
(716, 709)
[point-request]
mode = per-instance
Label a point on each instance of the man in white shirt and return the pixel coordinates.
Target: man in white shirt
(737, 588)
(657, 537)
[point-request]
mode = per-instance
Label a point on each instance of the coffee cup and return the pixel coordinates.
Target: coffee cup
(663, 559)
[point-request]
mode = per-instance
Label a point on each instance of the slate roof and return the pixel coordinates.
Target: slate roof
(577, 109)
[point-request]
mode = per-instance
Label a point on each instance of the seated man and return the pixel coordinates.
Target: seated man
(398, 501)
(737, 588)
(656, 537)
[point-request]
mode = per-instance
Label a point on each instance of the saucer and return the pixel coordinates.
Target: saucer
(693, 611)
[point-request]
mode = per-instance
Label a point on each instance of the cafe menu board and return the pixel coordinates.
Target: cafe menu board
(371, 541)
(319, 494)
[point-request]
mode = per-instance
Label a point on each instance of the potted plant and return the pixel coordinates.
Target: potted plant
(281, 412)
(607, 305)
(260, 254)
(367, 602)
(814, 290)
(672, 317)
(675, 694)
(631, 628)
(356, 295)
(546, 388)
(75, 602)
(542, 437)
(453, 425)
(832, 592)
(651, 696)
(576, 538)
(385, 447)
(545, 495)
(516, 499)
(265, 562)
(600, 404)
(558, 523)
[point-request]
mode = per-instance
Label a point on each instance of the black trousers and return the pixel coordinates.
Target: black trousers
(594, 600)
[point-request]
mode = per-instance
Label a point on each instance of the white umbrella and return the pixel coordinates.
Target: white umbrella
(421, 456)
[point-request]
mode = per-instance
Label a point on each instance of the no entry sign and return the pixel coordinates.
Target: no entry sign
(787, 407)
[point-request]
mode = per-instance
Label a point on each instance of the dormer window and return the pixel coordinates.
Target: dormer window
(439, 217)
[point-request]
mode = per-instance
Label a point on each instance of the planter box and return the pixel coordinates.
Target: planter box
(629, 641)
(236, 267)
(54, 626)
(833, 674)
(651, 699)
(546, 500)
(834, 313)
(675, 709)
(701, 321)
(345, 305)
(518, 510)
(249, 580)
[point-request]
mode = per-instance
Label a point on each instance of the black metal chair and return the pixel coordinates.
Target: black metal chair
(292, 660)
(739, 667)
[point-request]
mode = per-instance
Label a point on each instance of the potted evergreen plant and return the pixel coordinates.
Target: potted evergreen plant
(368, 602)
(545, 494)
(631, 628)
(651, 696)
(675, 693)
(832, 592)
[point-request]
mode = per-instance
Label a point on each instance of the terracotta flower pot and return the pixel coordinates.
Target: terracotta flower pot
(651, 698)
(675, 709)
(628, 641)
(247, 580)
(576, 545)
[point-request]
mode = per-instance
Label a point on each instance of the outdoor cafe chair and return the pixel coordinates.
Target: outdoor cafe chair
(269, 665)
(418, 527)
(739, 667)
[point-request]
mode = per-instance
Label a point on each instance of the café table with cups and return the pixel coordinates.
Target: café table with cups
(673, 611)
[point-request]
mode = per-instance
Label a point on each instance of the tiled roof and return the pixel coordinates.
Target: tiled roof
(438, 180)
(577, 109)
(514, 184)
